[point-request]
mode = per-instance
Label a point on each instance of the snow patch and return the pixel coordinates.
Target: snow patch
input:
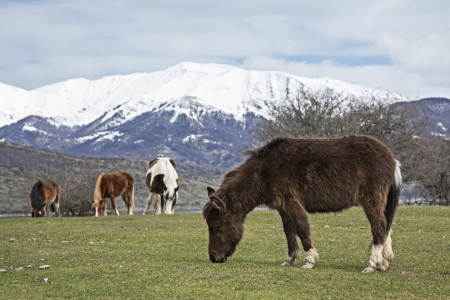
(103, 135)
(191, 138)
(32, 129)
(442, 126)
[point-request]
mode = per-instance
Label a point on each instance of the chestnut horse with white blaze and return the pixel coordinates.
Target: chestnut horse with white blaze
(162, 182)
(301, 176)
(112, 186)
(44, 198)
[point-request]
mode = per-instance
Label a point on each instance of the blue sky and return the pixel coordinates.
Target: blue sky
(396, 45)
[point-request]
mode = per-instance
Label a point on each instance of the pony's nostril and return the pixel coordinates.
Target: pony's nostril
(212, 258)
(222, 259)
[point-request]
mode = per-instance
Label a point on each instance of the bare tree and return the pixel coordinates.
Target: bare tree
(403, 127)
(76, 188)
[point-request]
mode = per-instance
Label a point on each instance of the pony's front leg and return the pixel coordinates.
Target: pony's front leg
(295, 222)
(158, 205)
(149, 202)
(114, 205)
(291, 237)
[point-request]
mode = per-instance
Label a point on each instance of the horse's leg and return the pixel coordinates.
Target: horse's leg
(127, 199)
(104, 208)
(56, 205)
(158, 205)
(47, 210)
(173, 205)
(295, 223)
(130, 202)
(149, 202)
(113, 204)
(388, 255)
(375, 214)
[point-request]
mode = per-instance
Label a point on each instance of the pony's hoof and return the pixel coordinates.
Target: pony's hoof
(287, 264)
(368, 270)
(308, 266)
(383, 266)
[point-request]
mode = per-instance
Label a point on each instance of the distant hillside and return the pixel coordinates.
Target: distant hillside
(21, 166)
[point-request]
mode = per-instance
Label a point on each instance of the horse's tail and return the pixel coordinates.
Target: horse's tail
(35, 195)
(98, 193)
(393, 196)
(132, 196)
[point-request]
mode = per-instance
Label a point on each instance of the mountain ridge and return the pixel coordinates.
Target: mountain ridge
(194, 113)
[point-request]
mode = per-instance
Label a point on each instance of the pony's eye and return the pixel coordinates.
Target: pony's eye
(219, 229)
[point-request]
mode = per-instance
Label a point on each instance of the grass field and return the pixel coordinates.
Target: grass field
(148, 257)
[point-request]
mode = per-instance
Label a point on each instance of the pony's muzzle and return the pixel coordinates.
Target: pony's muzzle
(221, 260)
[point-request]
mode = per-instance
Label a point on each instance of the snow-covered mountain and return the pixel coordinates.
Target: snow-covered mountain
(196, 112)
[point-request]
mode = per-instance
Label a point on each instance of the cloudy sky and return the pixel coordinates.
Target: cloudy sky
(397, 45)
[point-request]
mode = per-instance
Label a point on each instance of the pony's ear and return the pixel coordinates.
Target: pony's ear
(218, 204)
(211, 191)
(91, 200)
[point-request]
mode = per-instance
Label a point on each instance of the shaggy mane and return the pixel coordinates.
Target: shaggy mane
(265, 149)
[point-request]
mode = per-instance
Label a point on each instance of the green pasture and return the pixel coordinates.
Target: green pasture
(159, 257)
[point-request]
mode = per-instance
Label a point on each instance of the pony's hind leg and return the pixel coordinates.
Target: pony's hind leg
(378, 224)
(47, 210)
(127, 199)
(114, 205)
(149, 202)
(56, 205)
(55, 208)
(387, 253)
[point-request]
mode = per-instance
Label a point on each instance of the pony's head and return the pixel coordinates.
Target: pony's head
(169, 199)
(99, 206)
(37, 213)
(225, 228)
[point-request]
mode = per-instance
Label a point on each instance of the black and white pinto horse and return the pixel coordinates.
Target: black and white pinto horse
(162, 182)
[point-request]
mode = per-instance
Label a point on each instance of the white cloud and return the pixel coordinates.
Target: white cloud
(47, 41)
(427, 55)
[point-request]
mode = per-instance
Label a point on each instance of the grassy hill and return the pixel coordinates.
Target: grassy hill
(159, 257)
(21, 166)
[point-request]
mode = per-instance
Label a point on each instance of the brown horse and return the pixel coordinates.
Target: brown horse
(300, 176)
(44, 198)
(111, 186)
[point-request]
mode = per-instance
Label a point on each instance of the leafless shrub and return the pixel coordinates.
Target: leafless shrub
(76, 188)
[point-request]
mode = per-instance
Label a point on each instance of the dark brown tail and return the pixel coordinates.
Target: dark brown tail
(393, 196)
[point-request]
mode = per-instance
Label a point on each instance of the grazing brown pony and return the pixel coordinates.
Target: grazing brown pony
(300, 176)
(44, 198)
(111, 186)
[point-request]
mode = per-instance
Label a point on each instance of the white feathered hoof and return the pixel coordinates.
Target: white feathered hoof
(368, 270)
(287, 264)
(308, 266)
